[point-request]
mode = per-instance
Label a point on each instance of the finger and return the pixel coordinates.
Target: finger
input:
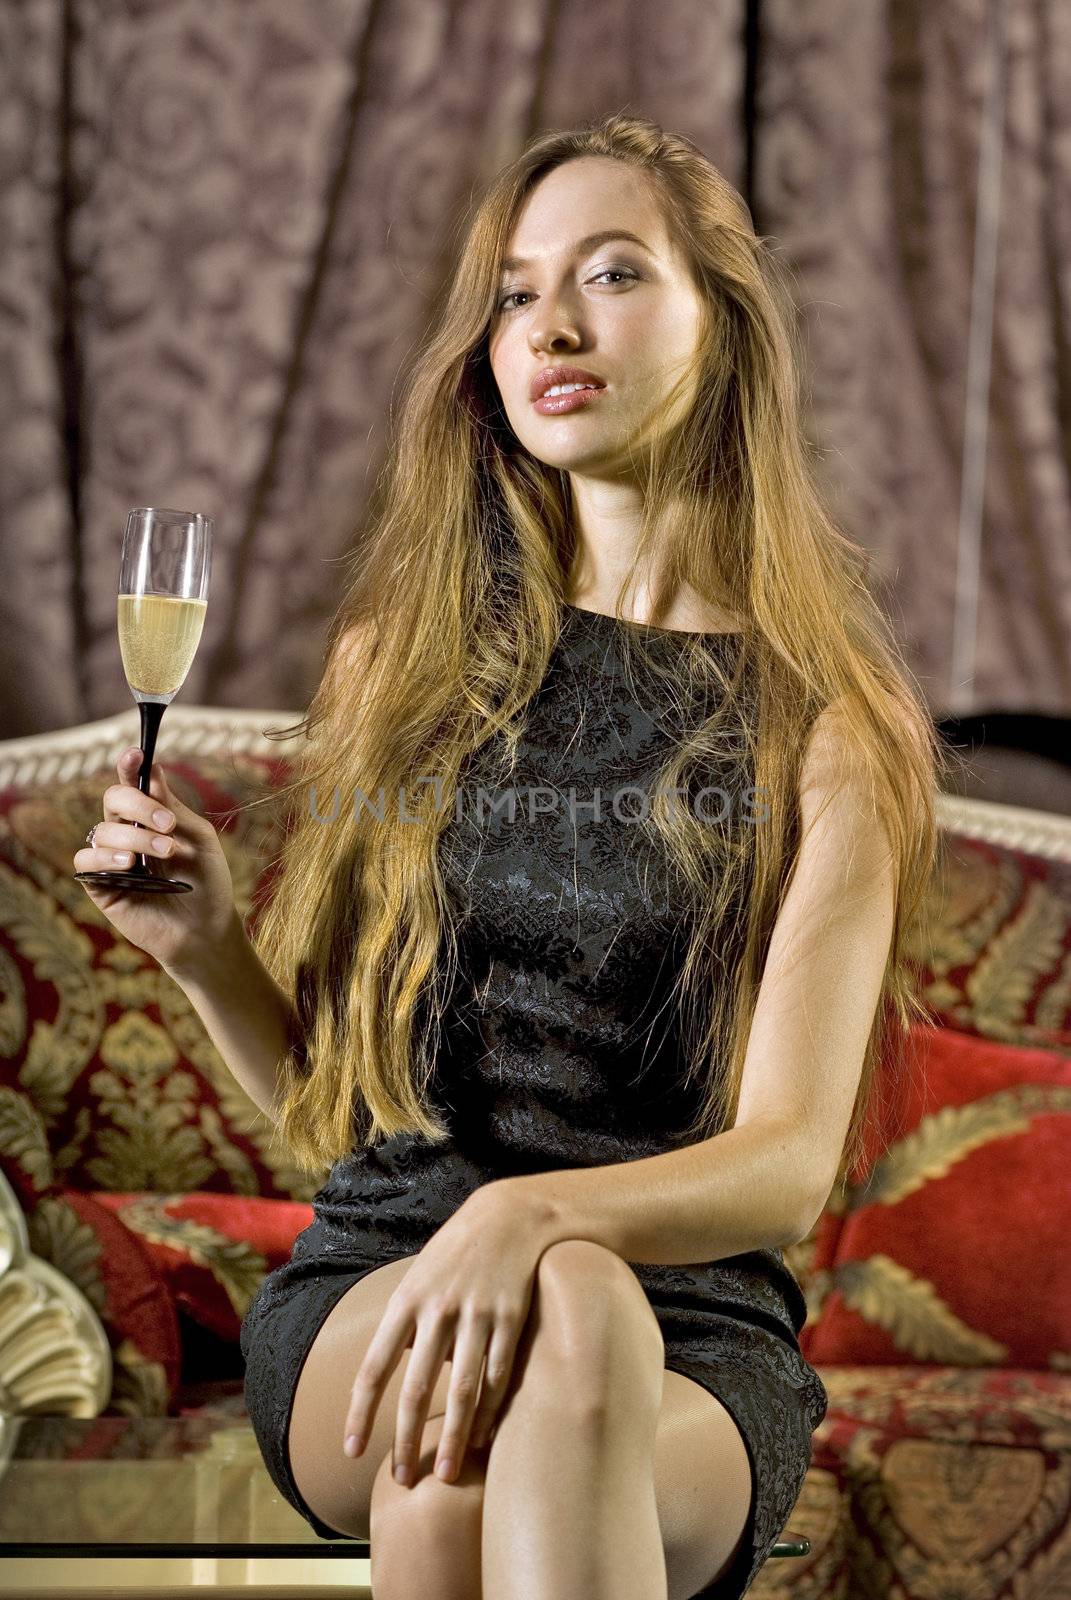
(469, 1346)
(111, 836)
(500, 1359)
(131, 762)
(380, 1359)
(129, 767)
(430, 1349)
(100, 857)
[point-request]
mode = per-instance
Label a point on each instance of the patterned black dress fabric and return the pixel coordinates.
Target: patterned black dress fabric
(560, 1051)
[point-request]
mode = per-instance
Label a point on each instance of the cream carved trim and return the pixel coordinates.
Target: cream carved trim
(65, 753)
(55, 1359)
(1040, 833)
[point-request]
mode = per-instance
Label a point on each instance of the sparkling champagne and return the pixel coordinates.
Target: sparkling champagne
(158, 639)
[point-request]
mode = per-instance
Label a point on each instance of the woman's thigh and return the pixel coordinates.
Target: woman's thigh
(702, 1475)
(337, 1488)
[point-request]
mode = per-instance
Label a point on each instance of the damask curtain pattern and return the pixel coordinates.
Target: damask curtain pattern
(870, 124)
(224, 230)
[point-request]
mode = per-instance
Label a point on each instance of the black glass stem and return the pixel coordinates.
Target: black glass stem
(141, 877)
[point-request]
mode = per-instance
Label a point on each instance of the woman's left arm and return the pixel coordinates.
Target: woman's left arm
(764, 1181)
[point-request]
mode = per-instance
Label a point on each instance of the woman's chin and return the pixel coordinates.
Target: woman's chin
(571, 455)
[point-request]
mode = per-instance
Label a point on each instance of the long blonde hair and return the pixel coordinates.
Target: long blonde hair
(452, 607)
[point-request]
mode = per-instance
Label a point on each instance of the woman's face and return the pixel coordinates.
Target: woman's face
(628, 315)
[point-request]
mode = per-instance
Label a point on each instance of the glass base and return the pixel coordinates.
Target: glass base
(134, 882)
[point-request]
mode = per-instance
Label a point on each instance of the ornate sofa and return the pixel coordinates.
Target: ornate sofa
(140, 1205)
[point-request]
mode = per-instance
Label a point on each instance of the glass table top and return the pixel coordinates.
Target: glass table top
(182, 1482)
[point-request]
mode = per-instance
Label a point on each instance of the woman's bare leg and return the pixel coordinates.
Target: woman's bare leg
(569, 1496)
(426, 1537)
(570, 1512)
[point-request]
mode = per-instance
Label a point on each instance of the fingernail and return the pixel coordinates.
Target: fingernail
(445, 1468)
(352, 1445)
(400, 1472)
(162, 819)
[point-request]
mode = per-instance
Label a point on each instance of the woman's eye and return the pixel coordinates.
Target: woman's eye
(619, 272)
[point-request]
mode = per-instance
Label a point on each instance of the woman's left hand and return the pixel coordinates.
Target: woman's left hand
(467, 1294)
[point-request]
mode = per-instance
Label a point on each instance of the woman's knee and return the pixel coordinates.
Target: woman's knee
(428, 1515)
(592, 1327)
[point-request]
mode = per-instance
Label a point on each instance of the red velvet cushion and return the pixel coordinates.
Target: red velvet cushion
(996, 960)
(93, 1249)
(954, 1250)
(213, 1249)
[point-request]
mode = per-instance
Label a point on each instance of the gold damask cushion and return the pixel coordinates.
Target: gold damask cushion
(930, 1481)
(108, 1079)
(994, 951)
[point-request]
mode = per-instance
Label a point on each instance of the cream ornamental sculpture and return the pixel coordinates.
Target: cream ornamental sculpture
(55, 1360)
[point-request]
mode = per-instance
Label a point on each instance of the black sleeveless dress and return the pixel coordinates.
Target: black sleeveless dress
(559, 1051)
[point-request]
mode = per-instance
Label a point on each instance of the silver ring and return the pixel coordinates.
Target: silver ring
(89, 835)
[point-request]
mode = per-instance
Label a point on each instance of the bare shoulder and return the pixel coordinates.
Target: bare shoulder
(843, 799)
(355, 639)
(343, 686)
(350, 654)
(837, 748)
(830, 749)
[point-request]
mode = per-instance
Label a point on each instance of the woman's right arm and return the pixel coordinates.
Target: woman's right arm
(198, 938)
(246, 1014)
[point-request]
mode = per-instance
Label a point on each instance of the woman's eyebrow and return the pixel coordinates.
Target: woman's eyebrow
(591, 241)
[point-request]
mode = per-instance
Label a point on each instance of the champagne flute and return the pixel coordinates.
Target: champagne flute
(163, 598)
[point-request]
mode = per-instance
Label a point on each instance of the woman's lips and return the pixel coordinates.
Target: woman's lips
(554, 405)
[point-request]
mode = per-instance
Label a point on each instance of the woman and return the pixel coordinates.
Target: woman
(590, 1044)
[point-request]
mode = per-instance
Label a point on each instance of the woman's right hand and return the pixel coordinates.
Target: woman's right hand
(181, 931)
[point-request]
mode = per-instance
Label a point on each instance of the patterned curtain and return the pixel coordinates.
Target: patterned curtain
(224, 229)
